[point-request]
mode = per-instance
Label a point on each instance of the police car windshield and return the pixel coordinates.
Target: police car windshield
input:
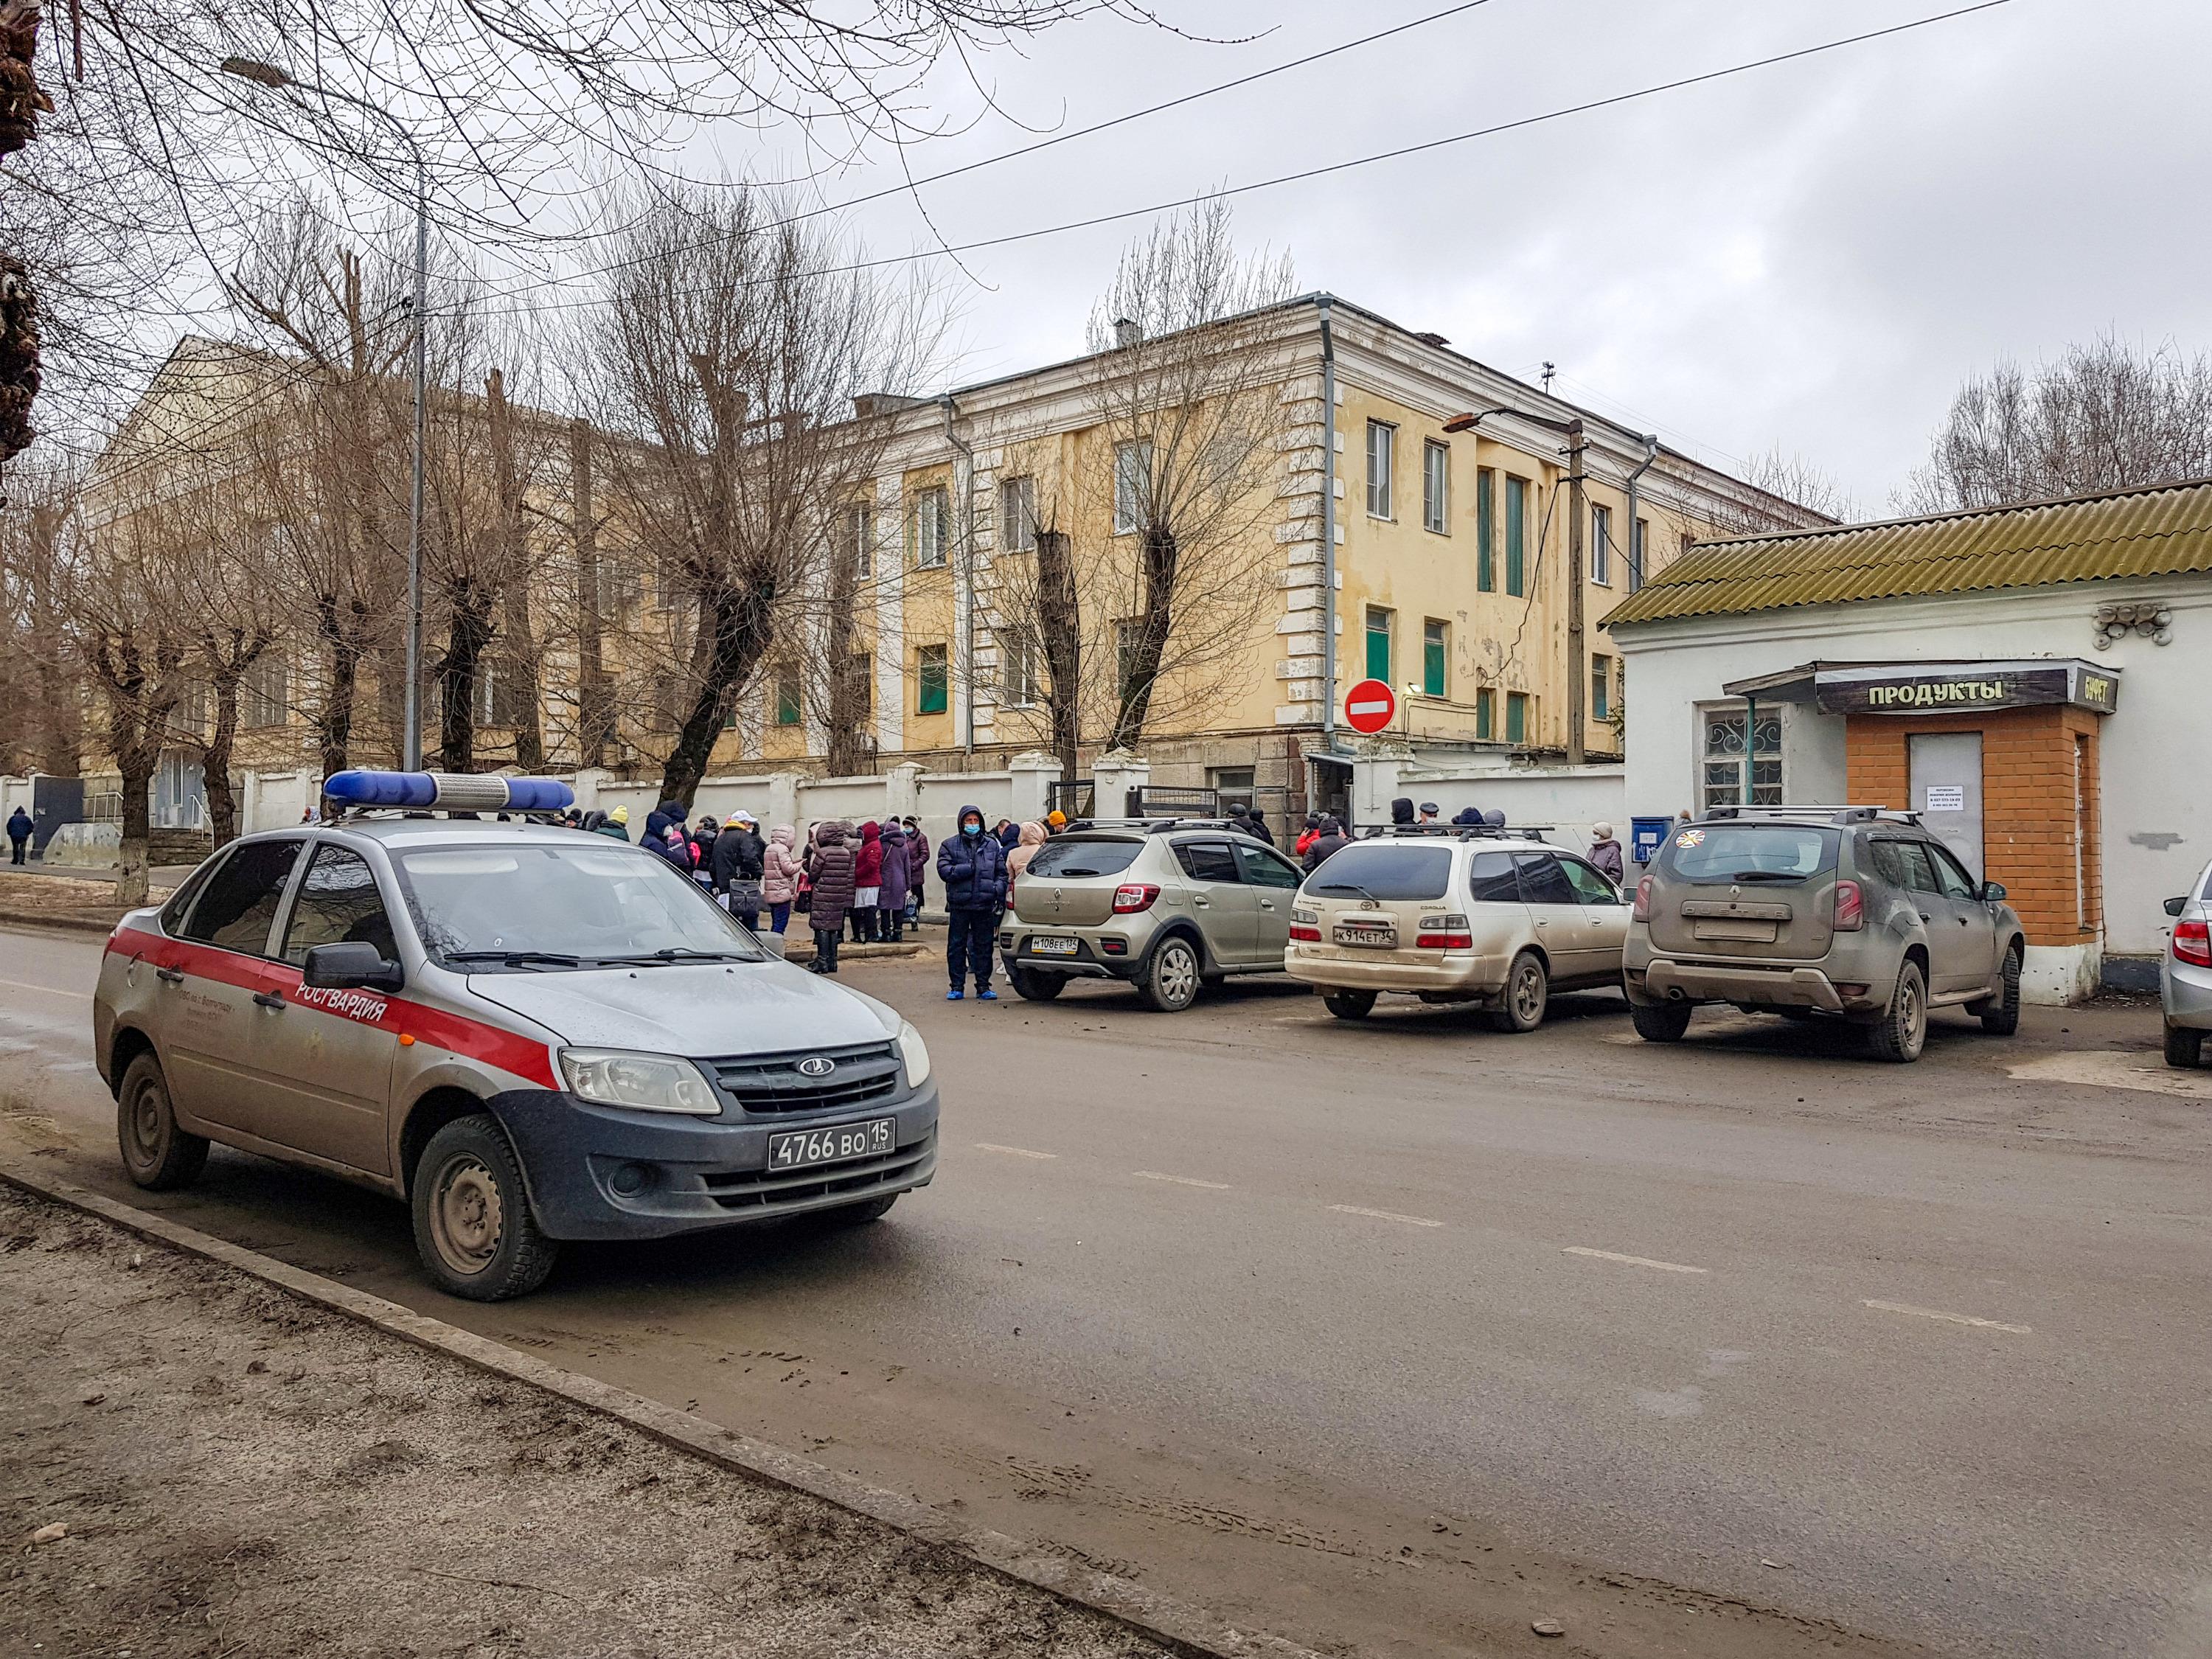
(542, 908)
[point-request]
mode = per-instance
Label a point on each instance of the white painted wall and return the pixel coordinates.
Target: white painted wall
(2156, 787)
(1569, 799)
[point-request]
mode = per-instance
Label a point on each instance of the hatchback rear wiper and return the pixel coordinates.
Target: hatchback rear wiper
(1348, 887)
(1764, 875)
(517, 959)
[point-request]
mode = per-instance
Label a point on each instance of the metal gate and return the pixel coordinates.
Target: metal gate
(1076, 797)
(1272, 801)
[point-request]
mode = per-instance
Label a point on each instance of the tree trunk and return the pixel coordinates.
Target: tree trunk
(1149, 643)
(1060, 629)
(594, 706)
(215, 759)
(467, 634)
(334, 720)
(739, 619)
(137, 765)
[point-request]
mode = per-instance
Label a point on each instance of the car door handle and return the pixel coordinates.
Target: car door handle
(1923, 915)
(1266, 904)
(170, 975)
(1202, 903)
(269, 999)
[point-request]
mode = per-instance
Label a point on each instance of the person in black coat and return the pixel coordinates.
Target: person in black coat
(973, 866)
(19, 833)
(1333, 840)
(1248, 819)
(736, 863)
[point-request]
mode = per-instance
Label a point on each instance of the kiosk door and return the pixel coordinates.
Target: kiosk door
(1947, 789)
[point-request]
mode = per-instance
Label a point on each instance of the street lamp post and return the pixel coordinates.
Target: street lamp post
(1577, 646)
(268, 75)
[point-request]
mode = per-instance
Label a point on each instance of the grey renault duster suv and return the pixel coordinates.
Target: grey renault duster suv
(1855, 912)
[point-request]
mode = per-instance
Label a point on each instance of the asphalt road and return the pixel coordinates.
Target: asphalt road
(1392, 1338)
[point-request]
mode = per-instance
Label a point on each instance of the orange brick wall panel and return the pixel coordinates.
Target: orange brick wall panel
(2027, 803)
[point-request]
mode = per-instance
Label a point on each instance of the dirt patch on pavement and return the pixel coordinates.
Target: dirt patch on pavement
(240, 1474)
(64, 900)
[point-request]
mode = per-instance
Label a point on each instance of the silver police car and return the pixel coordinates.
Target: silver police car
(2184, 976)
(527, 1032)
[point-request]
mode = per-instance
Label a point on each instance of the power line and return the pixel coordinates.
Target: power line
(1399, 153)
(910, 184)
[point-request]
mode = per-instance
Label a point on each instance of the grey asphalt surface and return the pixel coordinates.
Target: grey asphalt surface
(1393, 1337)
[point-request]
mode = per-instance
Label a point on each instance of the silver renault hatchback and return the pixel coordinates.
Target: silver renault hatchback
(528, 1033)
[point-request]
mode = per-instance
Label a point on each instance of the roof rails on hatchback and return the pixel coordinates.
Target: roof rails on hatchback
(1153, 826)
(1462, 832)
(1819, 810)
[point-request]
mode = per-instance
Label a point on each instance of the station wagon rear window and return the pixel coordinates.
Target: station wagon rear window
(1384, 870)
(1068, 856)
(1750, 852)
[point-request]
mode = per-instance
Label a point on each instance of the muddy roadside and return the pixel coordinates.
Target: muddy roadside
(237, 1473)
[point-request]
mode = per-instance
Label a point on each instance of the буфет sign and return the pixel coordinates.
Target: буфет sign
(1955, 688)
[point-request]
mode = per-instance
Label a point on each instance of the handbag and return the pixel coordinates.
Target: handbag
(804, 903)
(744, 895)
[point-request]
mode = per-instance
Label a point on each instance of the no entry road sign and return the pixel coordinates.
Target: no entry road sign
(1370, 706)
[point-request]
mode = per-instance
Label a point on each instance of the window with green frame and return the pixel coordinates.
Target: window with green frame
(1378, 644)
(932, 679)
(1600, 687)
(1485, 701)
(1516, 535)
(1517, 717)
(1486, 530)
(787, 709)
(1435, 652)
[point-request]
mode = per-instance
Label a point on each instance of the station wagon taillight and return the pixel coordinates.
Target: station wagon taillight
(1851, 907)
(1308, 935)
(2193, 943)
(1132, 896)
(1444, 933)
(1642, 910)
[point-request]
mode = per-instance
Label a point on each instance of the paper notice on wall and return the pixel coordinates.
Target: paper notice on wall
(1946, 797)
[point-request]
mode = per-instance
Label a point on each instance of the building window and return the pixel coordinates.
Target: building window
(1516, 535)
(1638, 536)
(268, 693)
(1017, 672)
(859, 548)
(1133, 486)
(1436, 487)
(787, 705)
(1600, 687)
(1436, 653)
(189, 718)
(933, 677)
(1382, 446)
(932, 527)
(1128, 656)
(1018, 515)
(1722, 780)
(1378, 644)
(1233, 783)
(617, 588)
(1601, 545)
(1517, 717)
(1486, 530)
(1485, 702)
(861, 665)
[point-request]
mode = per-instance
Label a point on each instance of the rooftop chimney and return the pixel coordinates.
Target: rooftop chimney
(1127, 332)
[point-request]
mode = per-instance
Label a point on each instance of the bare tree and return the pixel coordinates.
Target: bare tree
(38, 683)
(122, 621)
(1786, 487)
(233, 605)
(2104, 415)
(729, 349)
(1193, 408)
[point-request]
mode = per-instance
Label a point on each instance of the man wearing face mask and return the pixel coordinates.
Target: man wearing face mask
(973, 866)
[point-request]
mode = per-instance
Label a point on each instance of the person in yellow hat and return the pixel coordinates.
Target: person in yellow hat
(615, 824)
(1054, 822)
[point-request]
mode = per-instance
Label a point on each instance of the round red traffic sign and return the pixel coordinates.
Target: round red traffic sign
(1370, 706)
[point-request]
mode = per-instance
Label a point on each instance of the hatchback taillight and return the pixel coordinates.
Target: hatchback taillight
(1851, 907)
(1133, 896)
(1642, 911)
(2193, 943)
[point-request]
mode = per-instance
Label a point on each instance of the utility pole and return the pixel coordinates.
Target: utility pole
(1577, 648)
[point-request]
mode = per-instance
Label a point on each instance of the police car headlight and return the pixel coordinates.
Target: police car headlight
(642, 1083)
(914, 1053)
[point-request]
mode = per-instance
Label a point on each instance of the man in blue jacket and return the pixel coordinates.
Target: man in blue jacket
(973, 866)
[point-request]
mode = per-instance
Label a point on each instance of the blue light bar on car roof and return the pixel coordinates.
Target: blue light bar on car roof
(456, 791)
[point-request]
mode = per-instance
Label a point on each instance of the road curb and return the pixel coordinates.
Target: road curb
(59, 924)
(1186, 1629)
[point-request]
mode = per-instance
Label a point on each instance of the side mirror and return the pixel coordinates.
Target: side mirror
(2174, 907)
(1993, 892)
(354, 965)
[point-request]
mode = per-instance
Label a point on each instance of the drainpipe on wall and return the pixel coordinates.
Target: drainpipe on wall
(963, 482)
(1327, 529)
(1635, 572)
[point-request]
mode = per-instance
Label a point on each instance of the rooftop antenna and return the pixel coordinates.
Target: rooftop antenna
(1549, 371)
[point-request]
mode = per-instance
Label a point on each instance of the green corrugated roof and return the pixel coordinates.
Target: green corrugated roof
(2160, 531)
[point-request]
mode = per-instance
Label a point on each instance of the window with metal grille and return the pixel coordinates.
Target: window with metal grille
(1721, 781)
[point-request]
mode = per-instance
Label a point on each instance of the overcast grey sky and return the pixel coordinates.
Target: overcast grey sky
(1810, 256)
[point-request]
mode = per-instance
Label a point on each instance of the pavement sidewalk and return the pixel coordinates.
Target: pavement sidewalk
(237, 1471)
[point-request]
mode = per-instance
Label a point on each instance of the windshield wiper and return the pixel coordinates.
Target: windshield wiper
(685, 953)
(1348, 887)
(517, 959)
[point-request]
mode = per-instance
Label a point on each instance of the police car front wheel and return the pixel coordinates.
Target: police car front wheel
(473, 1227)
